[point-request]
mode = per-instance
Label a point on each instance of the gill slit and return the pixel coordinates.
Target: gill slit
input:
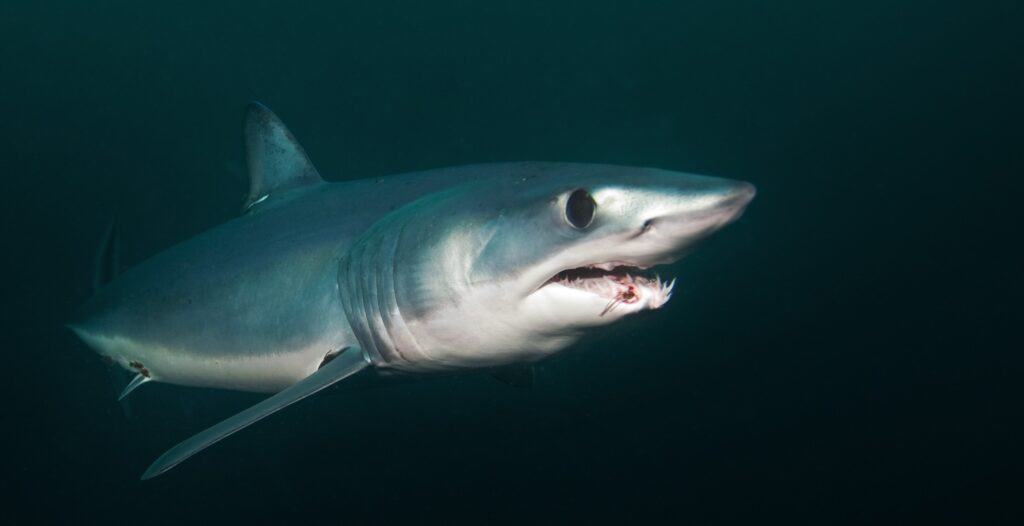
(360, 305)
(394, 294)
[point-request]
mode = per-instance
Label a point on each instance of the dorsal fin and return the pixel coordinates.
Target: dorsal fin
(277, 163)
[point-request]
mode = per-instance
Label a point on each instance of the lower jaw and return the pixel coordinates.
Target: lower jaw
(624, 290)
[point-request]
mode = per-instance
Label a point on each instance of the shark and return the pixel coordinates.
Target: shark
(480, 267)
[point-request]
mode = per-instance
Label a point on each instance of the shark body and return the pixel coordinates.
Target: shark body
(451, 269)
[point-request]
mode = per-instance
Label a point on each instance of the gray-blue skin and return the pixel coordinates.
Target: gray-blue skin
(452, 269)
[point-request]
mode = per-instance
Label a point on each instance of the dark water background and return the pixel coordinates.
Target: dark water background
(848, 352)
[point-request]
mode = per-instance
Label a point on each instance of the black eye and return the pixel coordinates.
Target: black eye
(579, 209)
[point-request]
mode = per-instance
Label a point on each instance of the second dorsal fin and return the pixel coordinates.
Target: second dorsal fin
(277, 162)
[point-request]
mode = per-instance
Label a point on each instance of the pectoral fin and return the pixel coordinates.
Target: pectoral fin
(349, 362)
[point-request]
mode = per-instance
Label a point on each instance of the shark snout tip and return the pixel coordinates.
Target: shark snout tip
(741, 194)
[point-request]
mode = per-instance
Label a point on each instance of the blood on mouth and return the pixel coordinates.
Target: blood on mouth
(627, 295)
(617, 283)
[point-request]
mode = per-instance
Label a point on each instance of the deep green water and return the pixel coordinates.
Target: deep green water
(847, 352)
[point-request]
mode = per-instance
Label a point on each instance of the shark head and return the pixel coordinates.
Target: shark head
(518, 264)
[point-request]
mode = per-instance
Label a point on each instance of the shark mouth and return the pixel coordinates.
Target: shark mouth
(619, 284)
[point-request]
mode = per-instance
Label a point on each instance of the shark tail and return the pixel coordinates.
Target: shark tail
(106, 267)
(108, 258)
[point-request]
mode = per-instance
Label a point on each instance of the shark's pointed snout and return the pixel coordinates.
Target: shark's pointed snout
(724, 202)
(734, 200)
(697, 212)
(741, 194)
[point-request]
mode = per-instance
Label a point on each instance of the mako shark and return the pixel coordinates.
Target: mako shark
(473, 267)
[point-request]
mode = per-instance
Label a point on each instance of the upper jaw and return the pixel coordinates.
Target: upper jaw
(612, 265)
(611, 270)
(661, 234)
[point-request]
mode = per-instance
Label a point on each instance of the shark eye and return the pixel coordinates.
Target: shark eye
(579, 209)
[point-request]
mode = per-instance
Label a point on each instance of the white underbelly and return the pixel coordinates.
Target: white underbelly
(262, 372)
